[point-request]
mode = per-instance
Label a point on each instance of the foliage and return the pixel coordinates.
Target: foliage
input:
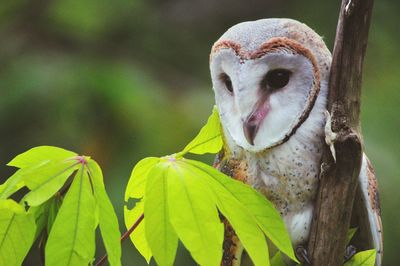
(350, 234)
(200, 192)
(69, 221)
(277, 260)
(209, 139)
(16, 226)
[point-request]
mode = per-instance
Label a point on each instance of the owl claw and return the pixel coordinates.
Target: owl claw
(349, 253)
(302, 255)
(330, 136)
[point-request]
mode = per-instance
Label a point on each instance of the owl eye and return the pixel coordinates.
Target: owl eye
(276, 79)
(227, 81)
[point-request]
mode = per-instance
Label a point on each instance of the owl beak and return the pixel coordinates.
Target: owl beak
(250, 129)
(253, 121)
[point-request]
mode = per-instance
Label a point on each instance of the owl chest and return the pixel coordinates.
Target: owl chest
(287, 176)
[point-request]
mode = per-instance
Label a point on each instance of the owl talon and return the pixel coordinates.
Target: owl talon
(349, 253)
(302, 255)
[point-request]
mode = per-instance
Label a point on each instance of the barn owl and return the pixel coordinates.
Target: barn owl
(270, 79)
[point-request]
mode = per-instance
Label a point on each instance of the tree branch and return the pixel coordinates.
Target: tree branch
(339, 180)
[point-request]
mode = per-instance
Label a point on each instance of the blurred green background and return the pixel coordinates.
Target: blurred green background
(121, 80)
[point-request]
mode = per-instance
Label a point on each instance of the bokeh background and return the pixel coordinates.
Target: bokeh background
(124, 79)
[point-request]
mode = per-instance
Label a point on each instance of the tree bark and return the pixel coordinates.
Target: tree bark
(339, 179)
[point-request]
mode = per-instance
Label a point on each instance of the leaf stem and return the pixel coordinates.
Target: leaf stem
(123, 237)
(180, 154)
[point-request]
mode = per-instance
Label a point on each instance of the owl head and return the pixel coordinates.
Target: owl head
(267, 75)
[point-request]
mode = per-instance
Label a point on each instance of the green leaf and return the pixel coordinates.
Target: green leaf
(247, 230)
(54, 206)
(209, 139)
(12, 185)
(363, 258)
(40, 214)
(350, 234)
(108, 220)
(17, 232)
(137, 181)
(245, 226)
(40, 155)
(36, 164)
(194, 215)
(262, 210)
(160, 235)
(46, 180)
(72, 238)
(138, 236)
(45, 214)
(277, 260)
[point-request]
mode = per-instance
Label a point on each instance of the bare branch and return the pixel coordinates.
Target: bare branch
(339, 180)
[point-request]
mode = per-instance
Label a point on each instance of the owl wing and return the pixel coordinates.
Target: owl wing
(367, 212)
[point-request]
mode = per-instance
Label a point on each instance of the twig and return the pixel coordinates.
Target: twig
(123, 237)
